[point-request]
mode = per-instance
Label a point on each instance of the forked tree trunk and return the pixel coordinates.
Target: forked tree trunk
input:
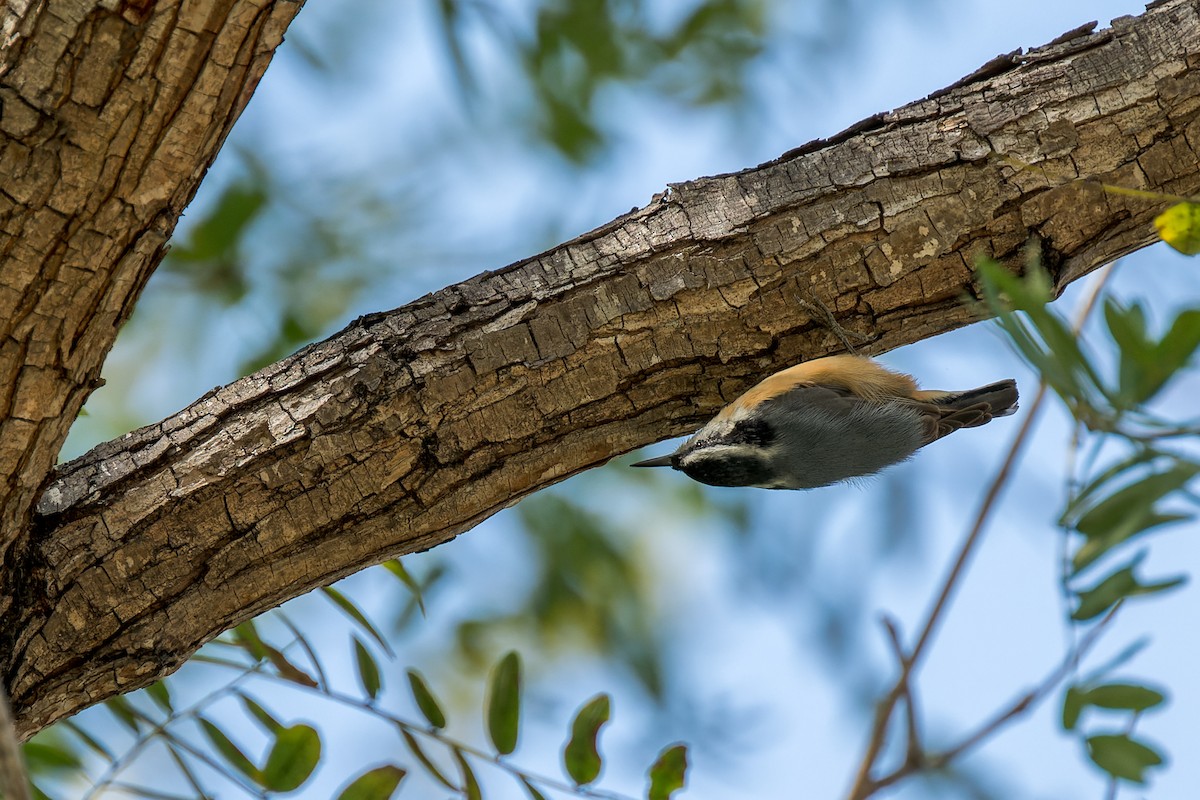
(411, 426)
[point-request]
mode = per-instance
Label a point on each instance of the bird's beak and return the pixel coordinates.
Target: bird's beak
(661, 461)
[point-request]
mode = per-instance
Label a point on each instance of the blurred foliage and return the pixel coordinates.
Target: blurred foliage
(591, 589)
(576, 48)
(588, 583)
(1134, 482)
(311, 276)
(570, 53)
(205, 750)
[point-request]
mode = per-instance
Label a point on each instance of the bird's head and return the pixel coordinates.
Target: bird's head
(724, 453)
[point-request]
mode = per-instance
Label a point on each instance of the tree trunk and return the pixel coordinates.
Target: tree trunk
(409, 427)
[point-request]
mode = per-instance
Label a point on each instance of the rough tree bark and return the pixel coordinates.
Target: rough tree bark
(110, 113)
(411, 426)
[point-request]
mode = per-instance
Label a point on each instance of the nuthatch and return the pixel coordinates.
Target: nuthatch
(828, 420)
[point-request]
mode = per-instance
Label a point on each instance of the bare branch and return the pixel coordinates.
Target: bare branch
(1030, 699)
(914, 753)
(864, 785)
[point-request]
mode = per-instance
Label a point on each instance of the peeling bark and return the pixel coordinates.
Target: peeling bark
(409, 427)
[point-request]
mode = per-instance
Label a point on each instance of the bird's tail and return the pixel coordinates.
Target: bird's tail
(969, 409)
(1000, 397)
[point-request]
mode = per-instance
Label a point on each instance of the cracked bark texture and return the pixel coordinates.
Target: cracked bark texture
(409, 427)
(110, 113)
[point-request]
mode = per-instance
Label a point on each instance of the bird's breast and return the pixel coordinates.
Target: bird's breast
(818, 447)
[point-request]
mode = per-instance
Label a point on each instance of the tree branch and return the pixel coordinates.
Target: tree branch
(410, 427)
(1023, 704)
(110, 114)
(865, 785)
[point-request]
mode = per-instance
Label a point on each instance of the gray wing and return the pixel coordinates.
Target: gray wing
(884, 419)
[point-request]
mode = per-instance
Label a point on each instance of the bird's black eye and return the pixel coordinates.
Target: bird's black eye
(753, 432)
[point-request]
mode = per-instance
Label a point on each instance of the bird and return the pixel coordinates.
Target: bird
(829, 420)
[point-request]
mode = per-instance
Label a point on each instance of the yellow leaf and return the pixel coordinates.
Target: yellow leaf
(1179, 226)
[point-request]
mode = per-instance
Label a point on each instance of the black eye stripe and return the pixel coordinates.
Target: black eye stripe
(751, 431)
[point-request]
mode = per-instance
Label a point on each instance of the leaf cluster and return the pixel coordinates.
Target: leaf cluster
(199, 740)
(1115, 503)
(573, 50)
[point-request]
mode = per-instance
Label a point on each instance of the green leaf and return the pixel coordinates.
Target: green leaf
(87, 739)
(377, 784)
(1179, 226)
(1127, 326)
(426, 761)
(44, 754)
(368, 670)
(124, 711)
(269, 723)
(531, 790)
(1086, 497)
(1073, 703)
(425, 700)
(161, 695)
(1122, 757)
(470, 788)
(1095, 549)
(322, 681)
(504, 703)
(351, 610)
(1116, 587)
(669, 773)
(1130, 511)
(1127, 506)
(581, 756)
(288, 670)
(1147, 365)
(1043, 338)
(396, 567)
(1113, 696)
(1180, 342)
(247, 634)
(229, 751)
(1124, 696)
(1171, 354)
(292, 759)
(217, 234)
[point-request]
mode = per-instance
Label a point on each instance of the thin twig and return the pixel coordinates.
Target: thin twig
(146, 738)
(814, 305)
(1022, 705)
(1026, 703)
(864, 785)
(413, 728)
(914, 752)
(998, 484)
(981, 519)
